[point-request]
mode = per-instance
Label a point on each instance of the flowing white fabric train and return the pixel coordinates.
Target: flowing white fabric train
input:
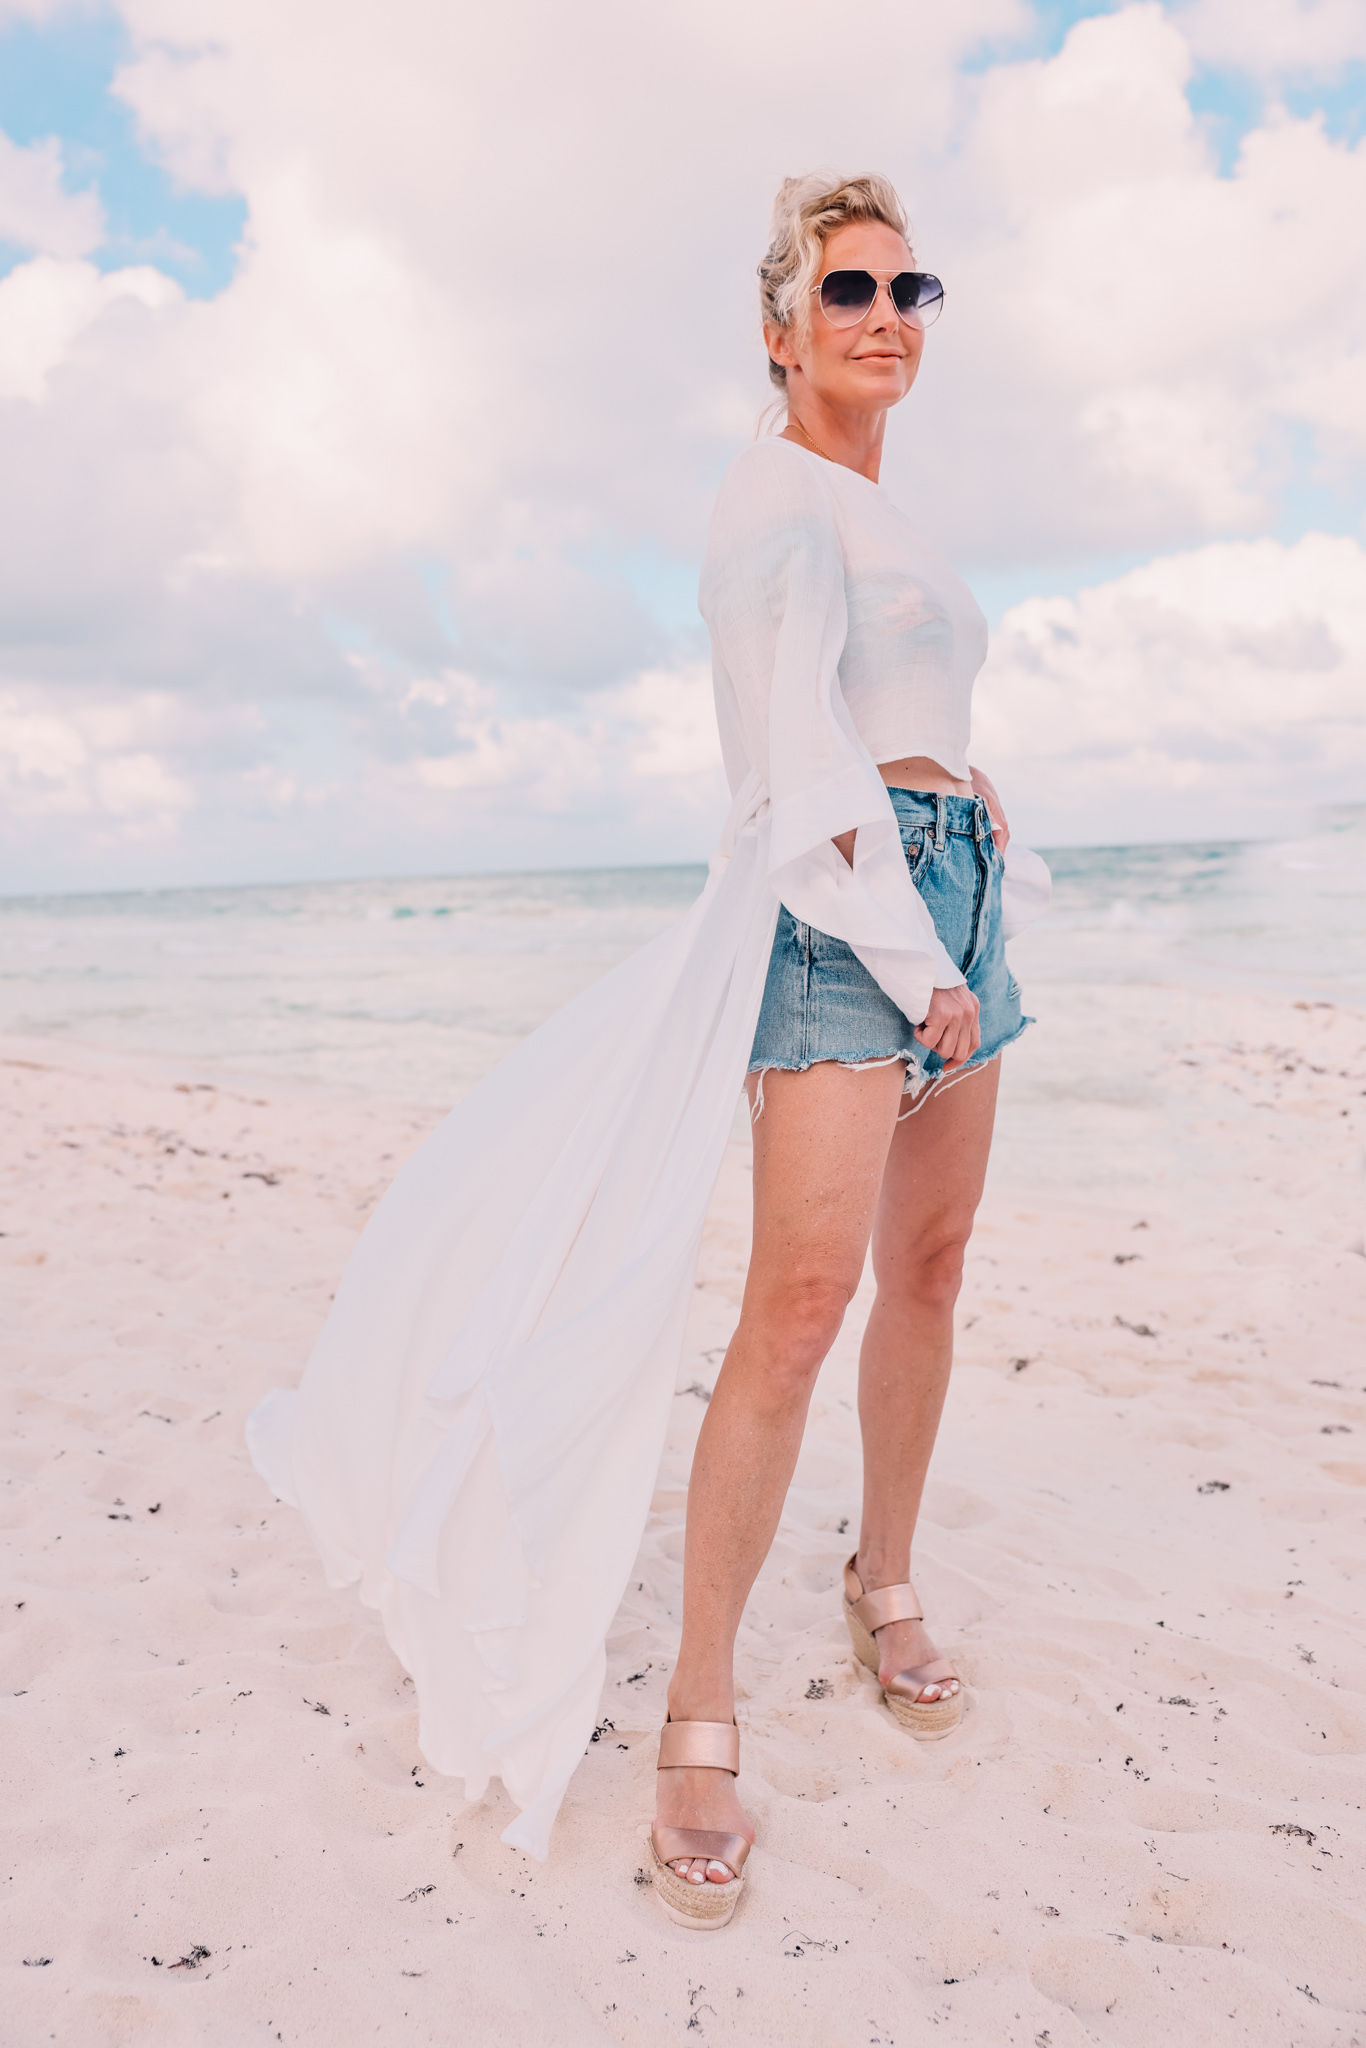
(476, 1437)
(478, 1430)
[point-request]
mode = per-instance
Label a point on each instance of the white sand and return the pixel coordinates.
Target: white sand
(1143, 1546)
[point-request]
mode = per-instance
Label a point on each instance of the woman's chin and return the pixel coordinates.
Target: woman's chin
(884, 380)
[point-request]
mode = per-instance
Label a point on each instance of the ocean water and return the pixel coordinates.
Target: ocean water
(1280, 914)
(413, 988)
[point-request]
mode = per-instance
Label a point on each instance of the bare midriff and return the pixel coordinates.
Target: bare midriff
(918, 771)
(913, 771)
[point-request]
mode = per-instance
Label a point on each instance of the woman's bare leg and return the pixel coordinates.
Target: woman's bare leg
(930, 1190)
(820, 1147)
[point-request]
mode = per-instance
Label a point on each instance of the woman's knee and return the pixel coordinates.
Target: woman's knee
(792, 1329)
(929, 1275)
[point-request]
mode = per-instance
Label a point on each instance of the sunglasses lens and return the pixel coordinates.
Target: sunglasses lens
(918, 297)
(846, 296)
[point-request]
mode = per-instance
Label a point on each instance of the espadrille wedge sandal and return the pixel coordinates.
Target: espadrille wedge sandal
(715, 1746)
(865, 1614)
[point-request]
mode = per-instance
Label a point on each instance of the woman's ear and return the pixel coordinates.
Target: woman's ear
(779, 345)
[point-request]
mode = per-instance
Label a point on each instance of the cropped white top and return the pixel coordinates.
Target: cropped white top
(839, 639)
(911, 635)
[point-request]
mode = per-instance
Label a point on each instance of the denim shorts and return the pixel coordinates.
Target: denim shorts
(820, 1001)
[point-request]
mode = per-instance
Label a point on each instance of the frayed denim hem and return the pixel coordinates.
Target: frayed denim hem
(918, 1083)
(762, 1067)
(873, 1059)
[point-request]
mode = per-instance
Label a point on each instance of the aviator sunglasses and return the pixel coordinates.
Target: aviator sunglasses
(847, 296)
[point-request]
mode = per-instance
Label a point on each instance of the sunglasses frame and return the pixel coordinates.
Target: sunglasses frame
(882, 281)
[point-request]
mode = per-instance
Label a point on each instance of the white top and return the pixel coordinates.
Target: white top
(475, 1441)
(840, 638)
(912, 637)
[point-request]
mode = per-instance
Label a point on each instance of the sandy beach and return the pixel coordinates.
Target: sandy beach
(1143, 1545)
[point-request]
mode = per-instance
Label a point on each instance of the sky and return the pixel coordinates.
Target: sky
(367, 372)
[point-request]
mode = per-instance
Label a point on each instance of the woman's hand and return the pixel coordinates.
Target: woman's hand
(984, 787)
(951, 1025)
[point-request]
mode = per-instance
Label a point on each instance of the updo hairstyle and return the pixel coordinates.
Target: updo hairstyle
(806, 212)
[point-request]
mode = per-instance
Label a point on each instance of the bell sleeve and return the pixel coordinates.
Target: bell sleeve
(773, 596)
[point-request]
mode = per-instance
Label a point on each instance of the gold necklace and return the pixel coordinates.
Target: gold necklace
(793, 422)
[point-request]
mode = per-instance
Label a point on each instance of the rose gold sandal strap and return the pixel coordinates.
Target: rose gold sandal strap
(714, 1745)
(908, 1685)
(671, 1845)
(887, 1604)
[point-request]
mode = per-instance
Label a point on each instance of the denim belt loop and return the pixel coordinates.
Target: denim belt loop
(941, 812)
(982, 818)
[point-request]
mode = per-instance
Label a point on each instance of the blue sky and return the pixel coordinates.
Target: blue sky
(56, 78)
(316, 570)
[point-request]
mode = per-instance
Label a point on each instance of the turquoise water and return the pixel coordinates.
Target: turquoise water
(413, 988)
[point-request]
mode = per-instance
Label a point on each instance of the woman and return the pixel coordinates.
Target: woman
(810, 563)
(476, 1437)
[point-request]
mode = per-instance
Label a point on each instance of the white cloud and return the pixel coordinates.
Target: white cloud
(60, 766)
(415, 774)
(389, 519)
(42, 758)
(40, 11)
(1212, 693)
(452, 328)
(47, 305)
(1277, 38)
(140, 792)
(659, 728)
(35, 211)
(1139, 330)
(668, 717)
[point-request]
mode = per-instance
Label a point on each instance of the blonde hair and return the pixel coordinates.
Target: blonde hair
(806, 212)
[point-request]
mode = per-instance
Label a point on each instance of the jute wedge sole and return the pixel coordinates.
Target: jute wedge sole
(926, 1720)
(711, 1745)
(703, 1907)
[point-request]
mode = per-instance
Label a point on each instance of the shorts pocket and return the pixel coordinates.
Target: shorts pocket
(913, 845)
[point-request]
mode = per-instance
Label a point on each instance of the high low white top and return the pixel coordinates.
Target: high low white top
(912, 635)
(475, 1440)
(840, 639)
